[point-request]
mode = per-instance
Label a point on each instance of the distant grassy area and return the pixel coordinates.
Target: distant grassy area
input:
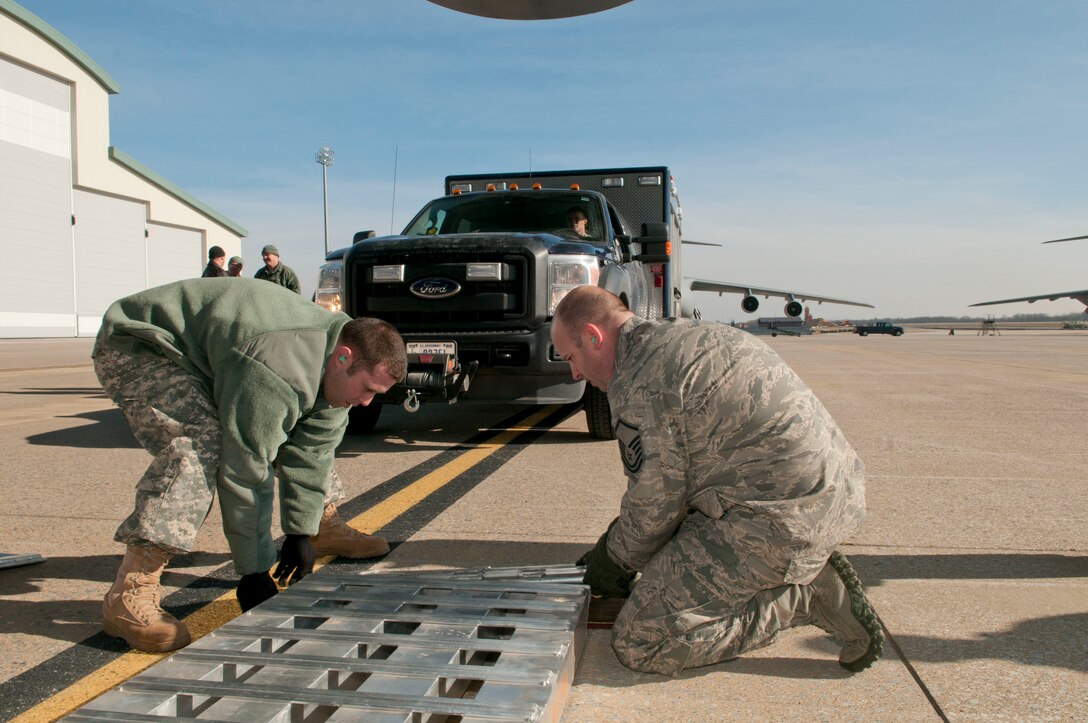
(1056, 319)
(969, 325)
(1011, 322)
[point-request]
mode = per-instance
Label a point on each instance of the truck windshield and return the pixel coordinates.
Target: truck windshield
(570, 215)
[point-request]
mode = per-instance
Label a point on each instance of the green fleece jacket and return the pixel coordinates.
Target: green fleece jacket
(260, 351)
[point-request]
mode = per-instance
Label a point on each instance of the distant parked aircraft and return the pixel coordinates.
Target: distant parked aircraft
(750, 303)
(1081, 296)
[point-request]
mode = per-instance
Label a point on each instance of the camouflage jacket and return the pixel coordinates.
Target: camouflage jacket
(709, 418)
(260, 353)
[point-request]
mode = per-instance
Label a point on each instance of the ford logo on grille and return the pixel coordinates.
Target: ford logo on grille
(435, 288)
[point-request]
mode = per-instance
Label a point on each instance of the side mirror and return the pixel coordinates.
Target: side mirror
(654, 242)
(628, 249)
(656, 228)
(361, 236)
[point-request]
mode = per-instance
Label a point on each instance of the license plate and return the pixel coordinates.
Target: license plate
(432, 347)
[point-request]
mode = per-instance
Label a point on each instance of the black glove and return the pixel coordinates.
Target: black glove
(605, 577)
(296, 560)
(254, 589)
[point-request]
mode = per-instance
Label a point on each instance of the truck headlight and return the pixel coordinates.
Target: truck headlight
(566, 272)
(328, 286)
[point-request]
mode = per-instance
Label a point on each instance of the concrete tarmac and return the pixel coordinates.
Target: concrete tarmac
(975, 552)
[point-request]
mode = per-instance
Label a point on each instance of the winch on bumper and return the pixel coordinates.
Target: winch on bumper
(434, 375)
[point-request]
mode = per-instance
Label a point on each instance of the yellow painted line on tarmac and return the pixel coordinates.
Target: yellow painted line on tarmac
(201, 622)
(225, 608)
(392, 507)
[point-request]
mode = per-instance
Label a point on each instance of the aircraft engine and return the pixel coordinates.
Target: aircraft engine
(749, 303)
(794, 308)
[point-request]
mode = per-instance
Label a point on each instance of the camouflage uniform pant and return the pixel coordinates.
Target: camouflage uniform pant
(175, 420)
(705, 597)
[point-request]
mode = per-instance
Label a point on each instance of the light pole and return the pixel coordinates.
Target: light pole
(324, 157)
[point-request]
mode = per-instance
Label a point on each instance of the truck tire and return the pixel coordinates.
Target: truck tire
(598, 413)
(863, 333)
(897, 332)
(361, 420)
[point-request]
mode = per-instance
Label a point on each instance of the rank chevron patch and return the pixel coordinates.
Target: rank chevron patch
(630, 440)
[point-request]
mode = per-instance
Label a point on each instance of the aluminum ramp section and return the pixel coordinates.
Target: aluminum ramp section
(424, 647)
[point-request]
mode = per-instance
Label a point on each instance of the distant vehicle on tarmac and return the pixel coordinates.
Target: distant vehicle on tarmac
(880, 327)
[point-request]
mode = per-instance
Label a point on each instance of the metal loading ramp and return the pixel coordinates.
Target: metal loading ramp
(479, 645)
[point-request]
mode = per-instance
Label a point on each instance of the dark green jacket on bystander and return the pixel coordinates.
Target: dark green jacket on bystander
(282, 275)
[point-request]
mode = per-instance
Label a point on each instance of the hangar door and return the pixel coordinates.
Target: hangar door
(37, 296)
(173, 254)
(110, 254)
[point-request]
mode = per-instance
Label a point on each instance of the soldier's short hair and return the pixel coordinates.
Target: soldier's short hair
(374, 342)
(586, 305)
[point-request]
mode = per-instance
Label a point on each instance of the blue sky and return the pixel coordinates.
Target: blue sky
(911, 155)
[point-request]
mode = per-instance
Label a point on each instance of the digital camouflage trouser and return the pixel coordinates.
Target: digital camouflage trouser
(175, 420)
(704, 598)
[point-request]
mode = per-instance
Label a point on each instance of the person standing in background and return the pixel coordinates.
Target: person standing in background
(275, 271)
(234, 266)
(217, 259)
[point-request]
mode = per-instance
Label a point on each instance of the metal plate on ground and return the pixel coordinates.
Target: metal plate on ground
(434, 646)
(8, 559)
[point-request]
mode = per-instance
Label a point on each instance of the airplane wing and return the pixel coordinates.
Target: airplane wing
(750, 303)
(1081, 296)
(1059, 240)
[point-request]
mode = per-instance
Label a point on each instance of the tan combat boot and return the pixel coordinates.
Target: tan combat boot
(335, 537)
(839, 606)
(131, 608)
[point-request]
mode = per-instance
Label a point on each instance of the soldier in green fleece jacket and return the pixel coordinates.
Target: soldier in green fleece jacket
(228, 385)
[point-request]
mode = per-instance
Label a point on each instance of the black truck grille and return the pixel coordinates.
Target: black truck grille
(477, 301)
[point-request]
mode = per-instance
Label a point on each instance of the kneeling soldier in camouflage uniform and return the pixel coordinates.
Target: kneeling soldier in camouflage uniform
(227, 385)
(740, 486)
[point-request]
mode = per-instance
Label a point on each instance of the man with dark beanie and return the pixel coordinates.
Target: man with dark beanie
(217, 261)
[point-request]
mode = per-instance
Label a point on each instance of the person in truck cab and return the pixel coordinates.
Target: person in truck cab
(577, 222)
(740, 486)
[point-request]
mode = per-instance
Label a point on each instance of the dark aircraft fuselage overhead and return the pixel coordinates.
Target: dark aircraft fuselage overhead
(529, 9)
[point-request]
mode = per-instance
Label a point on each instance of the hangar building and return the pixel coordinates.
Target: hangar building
(81, 223)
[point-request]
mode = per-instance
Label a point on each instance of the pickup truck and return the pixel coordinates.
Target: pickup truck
(880, 327)
(473, 281)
